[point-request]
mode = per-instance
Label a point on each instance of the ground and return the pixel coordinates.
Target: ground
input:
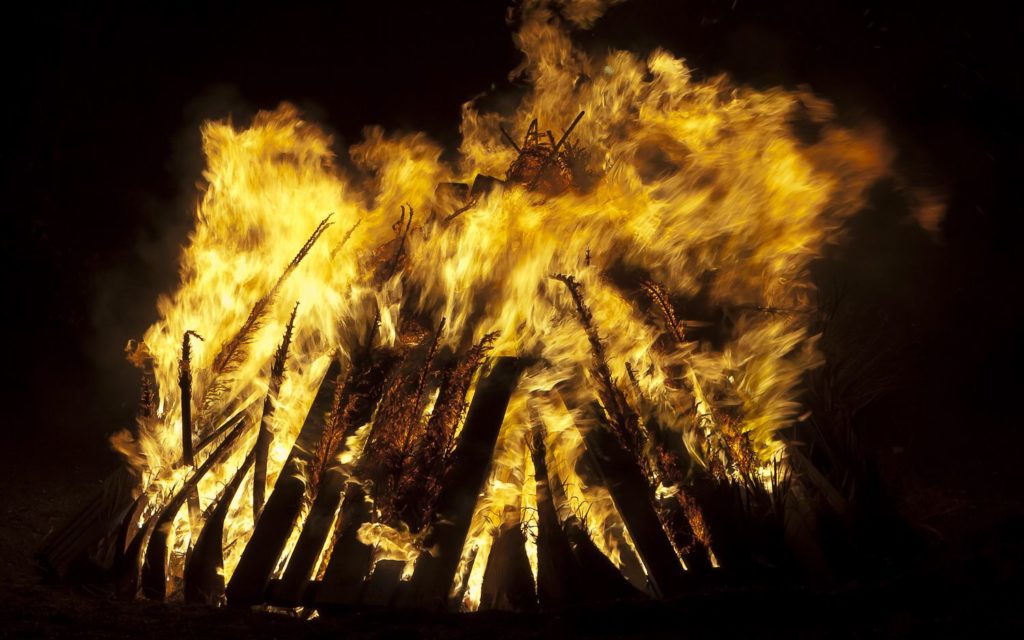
(960, 587)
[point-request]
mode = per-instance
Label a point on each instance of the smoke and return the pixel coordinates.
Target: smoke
(582, 14)
(123, 294)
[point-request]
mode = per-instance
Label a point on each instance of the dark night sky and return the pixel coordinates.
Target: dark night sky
(102, 154)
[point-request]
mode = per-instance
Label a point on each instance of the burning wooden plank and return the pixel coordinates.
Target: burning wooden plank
(570, 569)
(204, 570)
(435, 569)
(382, 466)
(187, 456)
(151, 543)
(508, 580)
(352, 406)
(270, 534)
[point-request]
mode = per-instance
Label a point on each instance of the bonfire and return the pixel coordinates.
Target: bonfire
(558, 371)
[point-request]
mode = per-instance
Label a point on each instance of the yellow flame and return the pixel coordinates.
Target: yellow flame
(702, 185)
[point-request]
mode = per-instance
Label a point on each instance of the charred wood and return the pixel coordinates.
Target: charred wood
(270, 534)
(353, 405)
(508, 581)
(632, 496)
(558, 574)
(204, 570)
(154, 538)
(350, 560)
(435, 569)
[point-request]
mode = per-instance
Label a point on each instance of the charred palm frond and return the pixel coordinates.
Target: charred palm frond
(344, 240)
(235, 351)
(623, 419)
(634, 436)
(659, 295)
(265, 437)
(689, 533)
(417, 489)
(401, 427)
(712, 447)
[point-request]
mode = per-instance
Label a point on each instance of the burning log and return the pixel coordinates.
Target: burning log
(632, 495)
(350, 559)
(251, 576)
(570, 569)
(352, 406)
(508, 580)
(677, 508)
(383, 462)
(435, 569)
(259, 482)
(618, 446)
(204, 570)
(393, 442)
(728, 502)
(418, 478)
(558, 574)
(152, 541)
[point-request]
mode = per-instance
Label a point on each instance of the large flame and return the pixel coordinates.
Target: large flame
(699, 186)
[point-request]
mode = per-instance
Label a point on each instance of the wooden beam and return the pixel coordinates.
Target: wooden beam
(632, 497)
(204, 569)
(249, 582)
(435, 569)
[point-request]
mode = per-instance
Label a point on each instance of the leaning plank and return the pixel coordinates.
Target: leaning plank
(248, 584)
(97, 519)
(153, 540)
(631, 494)
(204, 571)
(508, 581)
(557, 570)
(356, 401)
(435, 569)
(265, 438)
(383, 583)
(290, 590)
(350, 560)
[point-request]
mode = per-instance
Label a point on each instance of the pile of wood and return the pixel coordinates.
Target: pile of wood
(418, 472)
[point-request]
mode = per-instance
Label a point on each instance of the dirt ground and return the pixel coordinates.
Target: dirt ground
(965, 587)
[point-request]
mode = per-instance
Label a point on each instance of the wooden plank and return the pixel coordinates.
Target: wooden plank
(471, 462)
(383, 583)
(508, 581)
(154, 538)
(558, 574)
(204, 570)
(632, 497)
(101, 515)
(350, 560)
(248, 584)
(356, 402)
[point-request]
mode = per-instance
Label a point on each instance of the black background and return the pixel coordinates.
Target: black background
(101, 156)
